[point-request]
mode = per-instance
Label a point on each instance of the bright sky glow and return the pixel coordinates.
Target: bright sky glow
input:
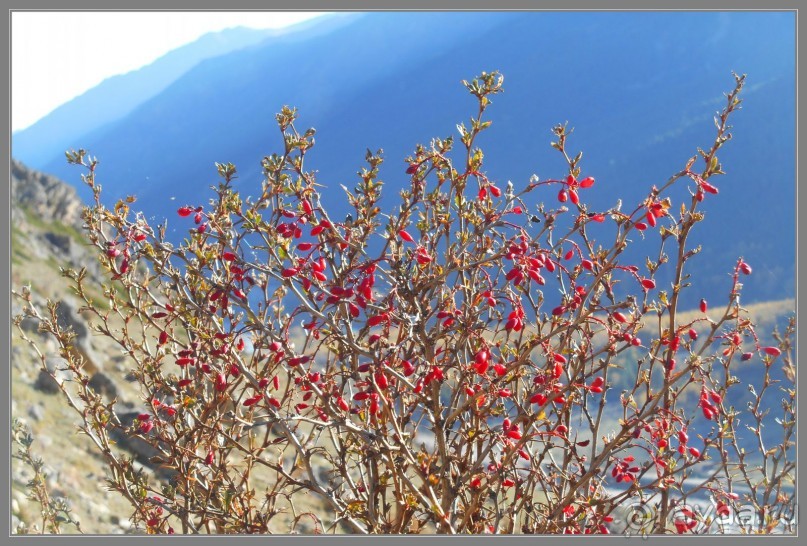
(57, 56)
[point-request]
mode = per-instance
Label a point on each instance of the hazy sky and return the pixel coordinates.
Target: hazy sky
(56, 56)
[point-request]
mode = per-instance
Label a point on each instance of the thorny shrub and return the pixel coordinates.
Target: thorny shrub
(54, 511)
(472, 363)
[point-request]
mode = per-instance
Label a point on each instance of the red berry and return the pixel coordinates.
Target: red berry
(481, 356)
(708, 188)
(703, 306)
(437, 373)
(422, 257)
(221, 382)
(514, 433)
(773, 351)
(408, 368)
(381, 380)
(587, 182)
(377, 319)
(534, 275)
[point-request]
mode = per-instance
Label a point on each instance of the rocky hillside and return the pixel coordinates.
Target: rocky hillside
(45, 217)
(46, 234)
(43, 195)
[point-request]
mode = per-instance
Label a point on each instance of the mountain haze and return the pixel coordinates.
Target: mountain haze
(117, 96)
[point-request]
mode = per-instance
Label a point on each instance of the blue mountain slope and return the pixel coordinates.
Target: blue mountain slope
(117, 96)
(640, 89)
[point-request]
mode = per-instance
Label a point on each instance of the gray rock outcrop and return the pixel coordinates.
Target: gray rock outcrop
(46, 196)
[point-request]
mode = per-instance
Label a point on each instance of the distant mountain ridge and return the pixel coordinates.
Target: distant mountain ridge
(639, 89)
(119, 95)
